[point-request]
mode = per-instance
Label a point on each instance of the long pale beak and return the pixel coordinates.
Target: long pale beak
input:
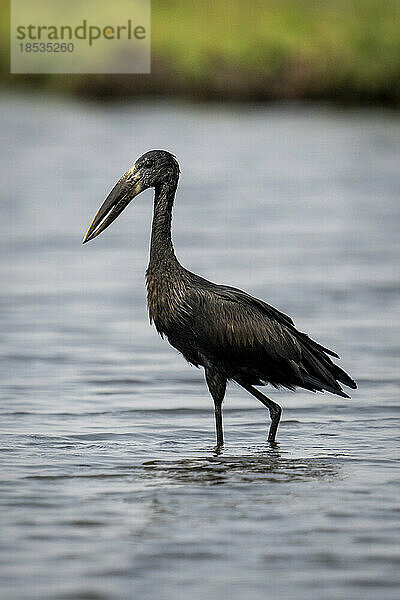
(122, 193)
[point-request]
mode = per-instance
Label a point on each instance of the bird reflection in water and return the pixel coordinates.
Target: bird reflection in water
(261, 467)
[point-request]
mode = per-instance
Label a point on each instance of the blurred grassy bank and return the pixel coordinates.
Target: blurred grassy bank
(343, 50)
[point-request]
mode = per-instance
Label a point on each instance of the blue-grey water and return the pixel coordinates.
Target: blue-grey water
(110, 487)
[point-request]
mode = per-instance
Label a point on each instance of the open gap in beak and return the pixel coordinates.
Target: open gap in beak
(113, 205)
(100, 225)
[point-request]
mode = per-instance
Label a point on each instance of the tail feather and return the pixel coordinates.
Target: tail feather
(310, 342)
(319, 386)
(320, 371)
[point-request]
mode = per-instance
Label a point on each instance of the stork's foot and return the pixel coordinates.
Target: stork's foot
(218, 449)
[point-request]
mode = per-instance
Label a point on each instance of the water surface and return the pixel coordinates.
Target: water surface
(110, 485)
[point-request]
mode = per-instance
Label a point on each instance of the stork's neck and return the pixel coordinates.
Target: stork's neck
(161, 248)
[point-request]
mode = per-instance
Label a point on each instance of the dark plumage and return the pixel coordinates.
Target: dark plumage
(228, 332)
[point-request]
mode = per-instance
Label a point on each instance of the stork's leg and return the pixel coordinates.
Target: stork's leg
(275, 410)
(217, 386)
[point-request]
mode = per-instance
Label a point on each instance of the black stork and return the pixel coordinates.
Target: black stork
(231, 334)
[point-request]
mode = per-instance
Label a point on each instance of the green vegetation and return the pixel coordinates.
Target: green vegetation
(346, 50)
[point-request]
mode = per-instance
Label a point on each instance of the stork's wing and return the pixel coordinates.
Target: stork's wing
(234, 326)
(272, 313)
(245, 330)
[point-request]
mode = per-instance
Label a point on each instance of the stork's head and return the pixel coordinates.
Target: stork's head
(152, 169)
